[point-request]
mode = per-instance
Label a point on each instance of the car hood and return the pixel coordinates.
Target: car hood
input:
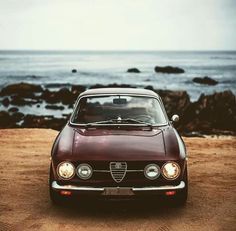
(117, 145)
(107, 144)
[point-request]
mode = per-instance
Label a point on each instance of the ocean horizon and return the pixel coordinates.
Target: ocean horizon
(53, 68)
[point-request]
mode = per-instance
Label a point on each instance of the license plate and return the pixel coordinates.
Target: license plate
(118, 192)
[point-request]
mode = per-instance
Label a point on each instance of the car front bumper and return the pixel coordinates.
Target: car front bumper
(129, 191)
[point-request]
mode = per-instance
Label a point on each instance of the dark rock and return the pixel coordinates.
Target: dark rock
(211, 113)
(20, 88)
(169, 70)
(7, 121)
(13, 109)
(193, 134)
(77, 89)
(17, 100)
(219, 108)
(176, 102)
(50, 96)
(54, 107)
(97, 86)
(64, 95)
(17, 117)
(149, 87)
(205, 80)
(67, 116)
(5, 102)
(28, 95)
(32, 121)
(111, 85)
(57, 85)
(121, 85)
(73, 70)
(133, 70)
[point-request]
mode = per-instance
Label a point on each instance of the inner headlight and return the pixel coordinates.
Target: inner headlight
(66, 170)
(171, 170)
(152, 171)
(84, 171)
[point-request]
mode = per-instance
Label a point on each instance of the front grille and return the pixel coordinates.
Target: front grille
(118, 171)
(133, 175)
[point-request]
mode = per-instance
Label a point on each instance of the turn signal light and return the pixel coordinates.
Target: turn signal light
(65, 193)
(170, 193)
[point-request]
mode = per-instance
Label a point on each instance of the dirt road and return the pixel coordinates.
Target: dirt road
(25, 204)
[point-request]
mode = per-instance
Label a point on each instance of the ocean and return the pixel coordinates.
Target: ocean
(52, 69)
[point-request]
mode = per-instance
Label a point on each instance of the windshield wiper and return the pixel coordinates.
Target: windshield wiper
(130, 120)
(120, 121)
(101, 122)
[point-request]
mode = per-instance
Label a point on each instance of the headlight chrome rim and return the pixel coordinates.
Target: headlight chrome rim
(171, 178)
(83, 177)
(58, 172)
(152, 165)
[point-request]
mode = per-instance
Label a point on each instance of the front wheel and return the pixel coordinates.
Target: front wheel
(56, 199)
(180, 198)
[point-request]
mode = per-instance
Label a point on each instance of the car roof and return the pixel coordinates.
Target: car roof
(131, 91)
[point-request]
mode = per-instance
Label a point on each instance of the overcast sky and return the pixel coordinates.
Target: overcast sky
(118, 24)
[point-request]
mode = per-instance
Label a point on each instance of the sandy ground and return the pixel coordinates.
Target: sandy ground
(25, 204)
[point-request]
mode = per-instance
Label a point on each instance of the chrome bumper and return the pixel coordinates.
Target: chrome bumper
(56, 186)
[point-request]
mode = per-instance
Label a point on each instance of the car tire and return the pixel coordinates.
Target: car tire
(180, 198)
(56, 199)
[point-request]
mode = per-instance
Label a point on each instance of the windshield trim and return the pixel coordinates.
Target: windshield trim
(120, 124)
(117, 125)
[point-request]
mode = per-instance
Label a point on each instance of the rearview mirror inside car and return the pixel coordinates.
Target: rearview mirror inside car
(120, 101)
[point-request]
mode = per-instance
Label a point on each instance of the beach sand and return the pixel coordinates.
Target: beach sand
(25, 203)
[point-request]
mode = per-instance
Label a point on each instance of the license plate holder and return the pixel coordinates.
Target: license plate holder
(116, 191)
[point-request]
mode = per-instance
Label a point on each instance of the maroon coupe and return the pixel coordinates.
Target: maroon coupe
(119, 143)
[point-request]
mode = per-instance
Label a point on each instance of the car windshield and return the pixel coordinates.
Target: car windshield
(120, 109)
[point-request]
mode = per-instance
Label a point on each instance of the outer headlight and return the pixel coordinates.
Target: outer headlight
(66, 170)
(171, 170)
(152, 171)
(84, 171)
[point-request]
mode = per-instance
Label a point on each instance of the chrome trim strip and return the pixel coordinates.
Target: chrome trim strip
(56, 186)
(161, 188)
(110, 125)
(128, 170)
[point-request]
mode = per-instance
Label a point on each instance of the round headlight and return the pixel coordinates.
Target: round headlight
(66, 170)
(152, 171)
(84, 171)
(171, 170)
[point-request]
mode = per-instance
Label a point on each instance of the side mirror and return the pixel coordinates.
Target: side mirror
(175, 118)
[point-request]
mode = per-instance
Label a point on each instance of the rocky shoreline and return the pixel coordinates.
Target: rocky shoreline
(210, 114)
